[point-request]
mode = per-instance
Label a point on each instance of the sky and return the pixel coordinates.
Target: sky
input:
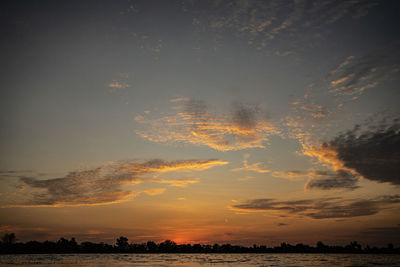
(243, 122)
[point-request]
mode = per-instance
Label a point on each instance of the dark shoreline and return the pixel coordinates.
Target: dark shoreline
(210, 253)
(122, 246)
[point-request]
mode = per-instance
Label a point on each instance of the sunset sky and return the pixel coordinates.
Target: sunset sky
(243, 121)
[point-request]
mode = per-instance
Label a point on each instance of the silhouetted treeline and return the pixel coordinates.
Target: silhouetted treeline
(9, 245)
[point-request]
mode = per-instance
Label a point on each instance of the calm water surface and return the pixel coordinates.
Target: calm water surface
(98, 260)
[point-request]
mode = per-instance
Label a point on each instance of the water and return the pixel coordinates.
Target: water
(103, 260)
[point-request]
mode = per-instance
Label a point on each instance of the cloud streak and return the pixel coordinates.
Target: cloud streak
(322, 180)
(291, 175)
(320, 208)
(106, 184)
(327, 180)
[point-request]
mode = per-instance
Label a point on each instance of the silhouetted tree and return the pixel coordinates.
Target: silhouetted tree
(8, 238)
(122, 243)
(321, 247)
(167, 246)
(216, 247)
(151, 246)
(354, 245)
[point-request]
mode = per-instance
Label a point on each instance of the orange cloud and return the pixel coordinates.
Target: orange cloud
(255, 167)
(177, 182)
(155, 191)
(118, 85)
(341, 80)
(324, 154)
(291, 175)
(164, 166)
(192, 123)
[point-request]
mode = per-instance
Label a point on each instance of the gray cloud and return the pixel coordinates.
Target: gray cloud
(245, 116)
(323, 180)
(374, 154)
(346, 210)
(322, 208)
(327, 180)
(103, 185)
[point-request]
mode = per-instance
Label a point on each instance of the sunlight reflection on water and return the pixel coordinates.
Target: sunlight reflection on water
(103, 260)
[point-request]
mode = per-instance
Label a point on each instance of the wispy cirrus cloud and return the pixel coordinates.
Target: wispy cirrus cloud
(316, 111)
(326, 98)
(255, 167)
(262, 22)
(320, 208)
(355, 75)
(106, 184)
(193, 123)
